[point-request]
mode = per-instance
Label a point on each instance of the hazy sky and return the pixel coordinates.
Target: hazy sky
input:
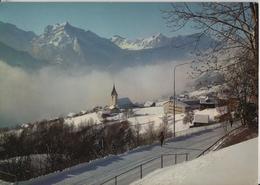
(130, 20)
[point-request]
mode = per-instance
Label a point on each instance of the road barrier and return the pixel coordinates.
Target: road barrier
(219, 141)
(140, 167)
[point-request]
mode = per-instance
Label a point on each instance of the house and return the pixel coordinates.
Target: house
(149, 104)
(180, 107)
(207, 102)
(125, 103)
(193, 103)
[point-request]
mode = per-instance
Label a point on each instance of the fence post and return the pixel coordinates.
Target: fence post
(162, 161)
(186, 156)
(175, 158)
(141, 171)
(115, 180)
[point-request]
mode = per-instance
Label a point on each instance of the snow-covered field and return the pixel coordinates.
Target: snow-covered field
(205, 91)
(236, 164)
(155, 116)
(84, 119)
(144, 116)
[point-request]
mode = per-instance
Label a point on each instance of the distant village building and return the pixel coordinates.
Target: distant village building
(149, 104)
(125, 103)
(119, 103)
(207, 102)
(193, 103)
(180, 107)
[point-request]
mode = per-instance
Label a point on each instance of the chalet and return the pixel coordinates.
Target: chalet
(192, 103)
(180, 107)
(149, 104)
(207, 102)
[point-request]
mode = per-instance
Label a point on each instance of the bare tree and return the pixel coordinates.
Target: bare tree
(188, 118)
(234, 27)
(232, 23)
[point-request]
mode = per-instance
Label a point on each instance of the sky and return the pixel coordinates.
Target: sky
(130, 20)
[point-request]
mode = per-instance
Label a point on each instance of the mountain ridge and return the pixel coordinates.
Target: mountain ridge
(67, 45)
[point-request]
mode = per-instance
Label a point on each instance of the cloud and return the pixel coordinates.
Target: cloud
(51, 92)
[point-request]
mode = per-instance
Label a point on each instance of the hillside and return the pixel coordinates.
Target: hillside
(236, 164)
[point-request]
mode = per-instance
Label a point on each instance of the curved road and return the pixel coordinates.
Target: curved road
(98, 171)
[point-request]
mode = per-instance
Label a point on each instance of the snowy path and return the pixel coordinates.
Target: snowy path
(100, 170)
(233, 165)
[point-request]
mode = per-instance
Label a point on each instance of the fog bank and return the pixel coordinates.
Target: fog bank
(50, 92)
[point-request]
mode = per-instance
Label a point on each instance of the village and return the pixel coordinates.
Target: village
(199, 110)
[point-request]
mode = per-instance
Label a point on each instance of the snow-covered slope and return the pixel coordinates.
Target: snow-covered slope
(84, 120)
(236, 164)
(160, 40)
(155, 117)
(204, 91)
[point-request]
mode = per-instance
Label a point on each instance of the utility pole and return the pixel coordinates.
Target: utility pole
(174, 92)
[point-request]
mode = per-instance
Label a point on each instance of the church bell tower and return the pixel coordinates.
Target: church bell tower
(114, 96)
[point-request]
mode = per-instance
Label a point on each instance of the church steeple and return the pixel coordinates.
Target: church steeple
(114, 93)
(114, 96)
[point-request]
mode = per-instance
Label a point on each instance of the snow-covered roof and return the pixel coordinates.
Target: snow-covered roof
(207, 100)
(124, 103)
(149, 103)
(161, 103)
(177, 103)
(71, 114)
(149, 110)
(192, 102)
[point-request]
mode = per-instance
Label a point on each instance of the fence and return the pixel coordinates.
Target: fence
(139, 171)
(219, 141)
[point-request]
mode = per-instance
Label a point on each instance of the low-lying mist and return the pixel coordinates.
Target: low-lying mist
(50, 92)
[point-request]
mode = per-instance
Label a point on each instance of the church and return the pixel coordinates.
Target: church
(119, 103)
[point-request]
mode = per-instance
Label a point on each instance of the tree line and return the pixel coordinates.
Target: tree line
(45, 147)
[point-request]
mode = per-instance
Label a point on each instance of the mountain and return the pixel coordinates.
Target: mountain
(159, 40)
(19, 58)
(15, 37)
(209, 79)
(154, 41)
(65, 44)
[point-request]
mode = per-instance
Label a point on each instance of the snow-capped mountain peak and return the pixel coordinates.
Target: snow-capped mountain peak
(68, 43)
(154, 41)
(56, 35)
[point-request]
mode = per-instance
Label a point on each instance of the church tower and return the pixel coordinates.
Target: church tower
(114, 96)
